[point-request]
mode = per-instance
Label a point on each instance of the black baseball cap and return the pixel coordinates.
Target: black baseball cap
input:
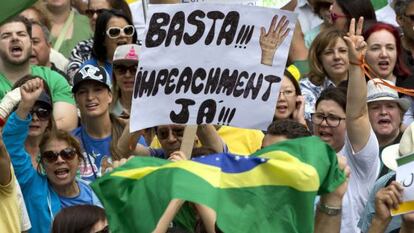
(91, 72)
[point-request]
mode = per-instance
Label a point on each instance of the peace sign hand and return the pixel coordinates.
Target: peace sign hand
(355, 41)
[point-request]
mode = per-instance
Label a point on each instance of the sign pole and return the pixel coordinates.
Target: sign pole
(188, 140)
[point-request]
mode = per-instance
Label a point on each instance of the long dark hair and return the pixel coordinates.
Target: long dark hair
(99, 50)
(77, 219)
(356, 9)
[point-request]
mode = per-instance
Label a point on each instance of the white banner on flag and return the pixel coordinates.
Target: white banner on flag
(211, 64)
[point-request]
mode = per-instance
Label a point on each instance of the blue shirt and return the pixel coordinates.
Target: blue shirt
(85, 197)
(96, 154)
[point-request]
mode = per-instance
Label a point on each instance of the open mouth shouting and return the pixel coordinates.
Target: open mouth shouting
(16, 50)
(62, 173)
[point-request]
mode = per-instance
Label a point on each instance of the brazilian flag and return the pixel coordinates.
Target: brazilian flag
(272, 190)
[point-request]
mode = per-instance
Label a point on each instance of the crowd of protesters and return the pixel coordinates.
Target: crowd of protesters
(74, 63)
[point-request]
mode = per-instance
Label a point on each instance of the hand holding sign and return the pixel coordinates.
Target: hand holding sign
(405, 177)
(270, 41)
(386, 199)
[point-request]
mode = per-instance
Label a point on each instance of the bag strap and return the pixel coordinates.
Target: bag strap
(64, 31)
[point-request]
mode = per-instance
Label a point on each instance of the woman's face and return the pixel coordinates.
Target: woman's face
(95, 8)
(286, 103)
(334, 136)
(338, 18)
(121, 39)
(40, 120)
(335, 60)
(382, 53)
(60, 170)
(124, 75)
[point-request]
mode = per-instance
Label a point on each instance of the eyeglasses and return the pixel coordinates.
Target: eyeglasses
(331, 120)
(42, 113)
(104, 230)
(115, 32)
(335, 16)
(288, 93)
(68, 153)
(121, 69)
(91, 12)
(163, 133)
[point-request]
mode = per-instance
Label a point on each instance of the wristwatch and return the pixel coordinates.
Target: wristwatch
(329, 210)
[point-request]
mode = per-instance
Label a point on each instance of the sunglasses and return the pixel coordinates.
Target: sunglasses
(335, 16)
(104, 230)
(42, 113)
(115, 32)
(121, 69)
(91, 12)
(66, 154)
(163, 133)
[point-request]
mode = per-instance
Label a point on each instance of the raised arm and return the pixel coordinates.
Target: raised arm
(209, 137)
(65, 115)
(16, 130)
(357, 121)
(329, 210)
(127, 143)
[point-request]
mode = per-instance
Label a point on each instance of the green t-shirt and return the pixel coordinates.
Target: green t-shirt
(59, 87)
(81, 31)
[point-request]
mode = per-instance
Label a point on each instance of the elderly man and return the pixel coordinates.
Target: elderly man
(41, 48)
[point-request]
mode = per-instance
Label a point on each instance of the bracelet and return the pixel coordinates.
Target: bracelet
(329, 210)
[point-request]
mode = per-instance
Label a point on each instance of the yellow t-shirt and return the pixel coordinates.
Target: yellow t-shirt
(9, 207)
(239, 141)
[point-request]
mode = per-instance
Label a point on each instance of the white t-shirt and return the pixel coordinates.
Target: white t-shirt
(365, 167)
(307, 18)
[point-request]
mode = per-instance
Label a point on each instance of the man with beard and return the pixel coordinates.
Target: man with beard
(15, 52)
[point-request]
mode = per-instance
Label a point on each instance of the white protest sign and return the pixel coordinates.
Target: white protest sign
(275, 3)
(211, 64)
(244, 2)
(405, 176)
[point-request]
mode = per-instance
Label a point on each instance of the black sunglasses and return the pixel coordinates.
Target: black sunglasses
(91, 12)
(121, 69)
(42, 113)
(49, 156)
(164, 133)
